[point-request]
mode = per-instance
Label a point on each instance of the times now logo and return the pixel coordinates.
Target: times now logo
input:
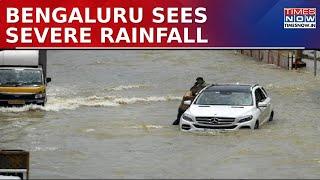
(300, 18)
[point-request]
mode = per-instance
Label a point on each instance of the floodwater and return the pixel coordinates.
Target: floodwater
(109, 114)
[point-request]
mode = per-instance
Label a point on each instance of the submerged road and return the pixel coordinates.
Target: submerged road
(109, 114)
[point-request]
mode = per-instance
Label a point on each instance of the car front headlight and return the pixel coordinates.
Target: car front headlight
(187, 118)
(245, 119)
(39, 96)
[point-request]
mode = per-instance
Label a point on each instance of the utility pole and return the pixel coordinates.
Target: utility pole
(315, 63)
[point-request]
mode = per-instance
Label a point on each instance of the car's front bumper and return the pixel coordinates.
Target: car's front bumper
(195, 126)
(21, 102)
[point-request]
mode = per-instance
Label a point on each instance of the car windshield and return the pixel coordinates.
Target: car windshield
(228, 98)
(20, 77)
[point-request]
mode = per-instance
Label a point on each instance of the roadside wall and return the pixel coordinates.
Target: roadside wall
(281, 58)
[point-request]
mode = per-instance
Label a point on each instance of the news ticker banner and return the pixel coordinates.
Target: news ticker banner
(212, 24)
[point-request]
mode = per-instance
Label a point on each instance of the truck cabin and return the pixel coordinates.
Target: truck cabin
(23, 68)
(23, 77)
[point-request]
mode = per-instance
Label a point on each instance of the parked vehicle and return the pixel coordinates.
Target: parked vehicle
(23, 77)
(228, 107)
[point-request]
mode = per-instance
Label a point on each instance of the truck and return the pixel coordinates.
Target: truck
(23, 77)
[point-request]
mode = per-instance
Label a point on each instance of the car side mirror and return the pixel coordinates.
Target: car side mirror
(262, 104)
(48, 79)
(188, 102)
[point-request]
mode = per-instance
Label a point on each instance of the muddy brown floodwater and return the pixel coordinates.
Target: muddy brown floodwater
(109, 114)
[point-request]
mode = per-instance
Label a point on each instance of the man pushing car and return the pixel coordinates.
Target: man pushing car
(190, 95)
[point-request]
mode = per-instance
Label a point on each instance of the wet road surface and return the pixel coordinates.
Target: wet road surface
(109, 114)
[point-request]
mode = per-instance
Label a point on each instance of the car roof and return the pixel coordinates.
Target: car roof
(230, 87)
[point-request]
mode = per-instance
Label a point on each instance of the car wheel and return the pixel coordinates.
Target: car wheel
(271, 116)
(256, 126)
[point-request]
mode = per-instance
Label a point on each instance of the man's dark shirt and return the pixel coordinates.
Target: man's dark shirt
(197, 88)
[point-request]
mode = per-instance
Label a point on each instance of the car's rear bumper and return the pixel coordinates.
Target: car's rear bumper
(194, 126)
